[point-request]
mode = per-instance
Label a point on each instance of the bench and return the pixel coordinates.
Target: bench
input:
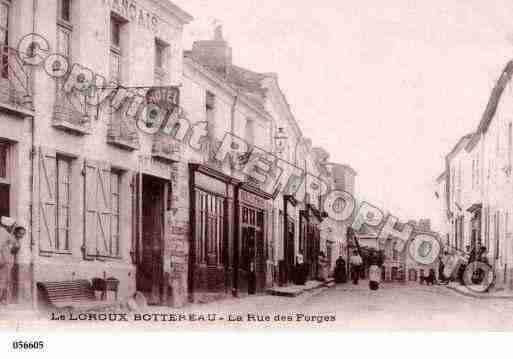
(71, 295)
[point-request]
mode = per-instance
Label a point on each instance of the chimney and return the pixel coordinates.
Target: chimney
(215, 54)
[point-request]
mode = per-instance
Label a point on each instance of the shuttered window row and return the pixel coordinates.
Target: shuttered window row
(101, 221)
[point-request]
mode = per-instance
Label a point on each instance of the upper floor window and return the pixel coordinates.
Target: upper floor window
(4, 36)
(161, 50)
(210, 107)
(116, 50)
(64, 8)
(160, 54)
(4, 21)
(64, 28)
(510, 145)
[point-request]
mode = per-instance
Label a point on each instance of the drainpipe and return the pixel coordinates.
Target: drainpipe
(33, 153)
(232, 118)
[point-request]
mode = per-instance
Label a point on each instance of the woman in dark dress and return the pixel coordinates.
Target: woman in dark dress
(340, 270)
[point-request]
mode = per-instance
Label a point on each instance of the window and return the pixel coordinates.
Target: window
(115, 48)
(115, 186)
(64, 8)
(4, 36)
(62, 239)
(64, 28)
(5, 182)
(250, 131)
(209, 227)
(4, 21)
(160, 54)
(510, 139)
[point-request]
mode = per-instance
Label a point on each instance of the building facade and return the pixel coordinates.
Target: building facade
(479, 189)
(110, 135)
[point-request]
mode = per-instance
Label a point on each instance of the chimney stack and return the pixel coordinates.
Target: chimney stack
(215, 54)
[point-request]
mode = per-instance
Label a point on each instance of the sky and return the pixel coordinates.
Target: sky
(386, 88)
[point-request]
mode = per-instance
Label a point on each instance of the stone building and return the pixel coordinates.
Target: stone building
(479, 186)
(110, 151)
(93, 190)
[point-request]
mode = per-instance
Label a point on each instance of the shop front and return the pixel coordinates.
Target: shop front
(251, 247)
(310, 238)
(211, 241)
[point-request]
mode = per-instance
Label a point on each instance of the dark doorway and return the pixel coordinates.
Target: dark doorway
(252, 261)
(395, 274)
(4, 200)
(150, 258)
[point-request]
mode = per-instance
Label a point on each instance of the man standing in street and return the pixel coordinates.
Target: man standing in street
(355, 261)
(9, 246)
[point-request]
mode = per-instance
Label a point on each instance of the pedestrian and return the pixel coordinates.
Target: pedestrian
(9, 246)
(355, 261)
(322, 265)
(441, 276)
(340, 270)
(300, 271)
(374, 276)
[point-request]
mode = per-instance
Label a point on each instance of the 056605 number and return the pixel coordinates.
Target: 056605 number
(26, 345)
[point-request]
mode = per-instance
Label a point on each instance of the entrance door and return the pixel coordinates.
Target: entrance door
(150, 265)
(290, 250)
(248, 258)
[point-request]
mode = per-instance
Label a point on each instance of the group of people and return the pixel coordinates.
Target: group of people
(11, 234)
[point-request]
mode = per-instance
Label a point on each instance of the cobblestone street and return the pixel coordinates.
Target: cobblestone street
(394, 306)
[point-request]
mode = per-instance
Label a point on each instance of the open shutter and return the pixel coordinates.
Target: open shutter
(47, 200)
(104, 210)
(91, 209)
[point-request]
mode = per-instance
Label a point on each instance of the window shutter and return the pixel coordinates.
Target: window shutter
(104, 200)
(91, 210)
(47, 200)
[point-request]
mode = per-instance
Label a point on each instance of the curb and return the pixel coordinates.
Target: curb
(478, 296)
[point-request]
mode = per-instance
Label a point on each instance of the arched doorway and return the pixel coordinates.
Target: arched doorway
(412, 275)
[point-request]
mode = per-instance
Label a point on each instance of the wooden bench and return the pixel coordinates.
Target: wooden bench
(71, 295)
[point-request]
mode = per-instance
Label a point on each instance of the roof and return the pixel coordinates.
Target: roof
(246, 88)
(495, 96)
(248, 81)
(182, 15)
(460, 144)
(441, 177)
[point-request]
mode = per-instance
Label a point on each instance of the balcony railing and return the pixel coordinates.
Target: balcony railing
(70, 113)
(15, 83)
(122, 132)
(166, 148)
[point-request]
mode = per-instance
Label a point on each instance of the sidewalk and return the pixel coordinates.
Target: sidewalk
(295, 290)
(494, 293)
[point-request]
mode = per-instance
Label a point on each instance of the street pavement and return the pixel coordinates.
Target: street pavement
(344, 307)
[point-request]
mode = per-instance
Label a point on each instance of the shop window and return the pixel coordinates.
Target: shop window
(209, 227)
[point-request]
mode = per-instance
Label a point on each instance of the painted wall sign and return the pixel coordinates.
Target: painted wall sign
(135, 13)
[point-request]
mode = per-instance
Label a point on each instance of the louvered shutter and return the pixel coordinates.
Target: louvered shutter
(91, 209)
(47, 200)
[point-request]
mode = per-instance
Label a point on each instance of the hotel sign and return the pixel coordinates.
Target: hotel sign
(132, 11)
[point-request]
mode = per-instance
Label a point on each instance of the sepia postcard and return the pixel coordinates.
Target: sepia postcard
(232, 164)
